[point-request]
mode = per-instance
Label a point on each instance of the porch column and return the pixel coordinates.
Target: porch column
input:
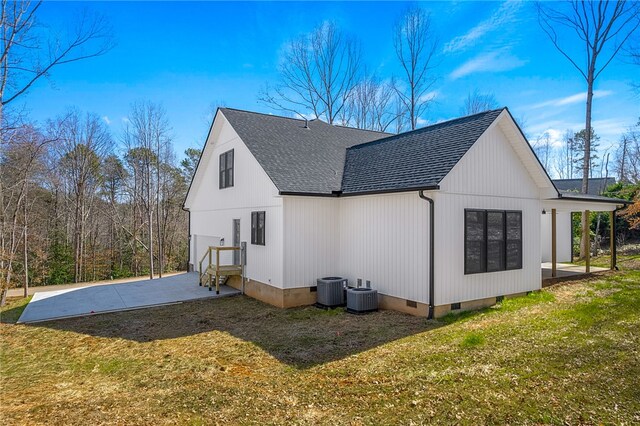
(612, 239)
(587, 258)
(553, 243)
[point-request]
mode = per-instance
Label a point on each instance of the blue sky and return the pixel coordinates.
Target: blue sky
(188, 56)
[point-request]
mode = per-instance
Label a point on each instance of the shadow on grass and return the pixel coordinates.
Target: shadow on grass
(11, 313)
(301, 337)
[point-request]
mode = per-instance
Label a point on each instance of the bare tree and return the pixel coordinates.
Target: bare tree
(26, 56)
(371, 106)
(21, 156)
(317, 74)
(544, 150)
(147, 141)
(602, 28)
(627, 157)
(633, 56)
(564, 163)
(84, 142)
(415, 46)
(476, 102)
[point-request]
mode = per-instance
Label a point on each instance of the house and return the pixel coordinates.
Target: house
(564, 224)
(440, 218)
(596, 185)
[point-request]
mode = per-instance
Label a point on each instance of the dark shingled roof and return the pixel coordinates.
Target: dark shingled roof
(413, 160)
(596, 185)
(298, 159)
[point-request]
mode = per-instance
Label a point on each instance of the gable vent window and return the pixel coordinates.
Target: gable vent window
(257, 228)
(226, 169)
(492, 240)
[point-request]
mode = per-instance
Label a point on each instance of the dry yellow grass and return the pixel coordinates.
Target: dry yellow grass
(569, 354)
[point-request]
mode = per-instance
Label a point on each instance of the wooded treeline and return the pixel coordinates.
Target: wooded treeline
(79, 204)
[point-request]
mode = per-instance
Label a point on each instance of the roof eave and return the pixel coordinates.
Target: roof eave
(354, 194)
(594, 200)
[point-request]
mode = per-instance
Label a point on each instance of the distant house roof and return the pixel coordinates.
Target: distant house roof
(596, 185)
(298, 159)
(413, 160)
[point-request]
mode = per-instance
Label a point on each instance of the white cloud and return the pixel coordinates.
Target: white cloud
(504, 15)
(429, 96)
(421, 122)
(488, 62)
(609, 131)
(572, 99)
(125, 120)
(555, 137)
(106, 119)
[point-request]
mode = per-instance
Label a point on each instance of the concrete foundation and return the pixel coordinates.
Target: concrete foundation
(304, 296)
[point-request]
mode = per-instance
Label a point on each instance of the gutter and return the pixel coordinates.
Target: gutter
(355, 194)
(605, 200)
(431, 254)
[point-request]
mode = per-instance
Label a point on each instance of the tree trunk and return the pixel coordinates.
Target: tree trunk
(150, 220)
(596, 243)
(26, 252)
(586, 163)
(158, 222)
(622, 161)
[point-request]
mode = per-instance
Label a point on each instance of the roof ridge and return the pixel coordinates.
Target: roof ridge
(363, 130)
(309, 120)
(430, 127)
(270, 115)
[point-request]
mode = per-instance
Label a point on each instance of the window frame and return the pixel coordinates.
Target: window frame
(258, 232)
(506, 239)
(484, 258)
(226, 171)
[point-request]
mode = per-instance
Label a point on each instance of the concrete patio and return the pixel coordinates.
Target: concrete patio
(565, 271)
(75, 302)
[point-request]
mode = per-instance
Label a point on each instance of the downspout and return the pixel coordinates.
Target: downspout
(188, 237)
(431, 254)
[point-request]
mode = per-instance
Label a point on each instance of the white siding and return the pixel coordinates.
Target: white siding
(563, 236)
(385, 239)
(452, 285)
(491, 167)
(381, 238)
(489, 176)
(213, 209)
(311, 242)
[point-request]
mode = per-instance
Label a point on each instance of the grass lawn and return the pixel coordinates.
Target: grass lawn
(567, 355)
(624, 261)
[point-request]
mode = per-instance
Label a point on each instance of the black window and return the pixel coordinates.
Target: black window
(474, 247)
(257, 228)
(493, 240)
(226, 169)
(514, 240)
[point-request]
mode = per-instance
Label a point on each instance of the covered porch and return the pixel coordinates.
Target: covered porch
(557, 234)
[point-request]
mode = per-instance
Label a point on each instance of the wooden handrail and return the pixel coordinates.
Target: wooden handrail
(218, 268)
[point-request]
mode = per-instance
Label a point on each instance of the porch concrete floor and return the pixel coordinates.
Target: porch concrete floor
(565, 270)
(76, 302)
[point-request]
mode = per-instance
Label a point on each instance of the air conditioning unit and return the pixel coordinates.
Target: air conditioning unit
(331, 291)
(362, 300)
